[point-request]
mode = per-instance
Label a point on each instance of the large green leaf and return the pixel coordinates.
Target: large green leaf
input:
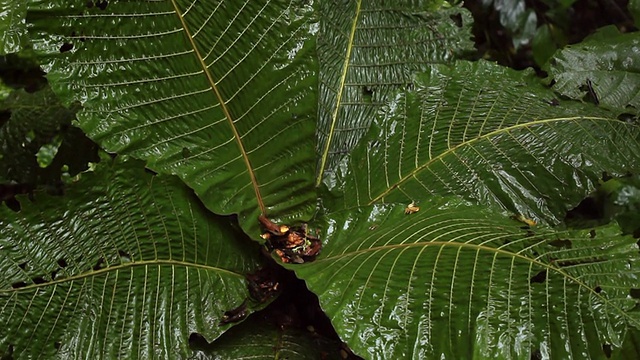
(605, 66)
(368, 50)
(489, 134)
(125, 265)
(221, 93)
(454, 281)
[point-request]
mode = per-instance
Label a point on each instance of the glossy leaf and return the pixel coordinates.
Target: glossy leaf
(546, 41)
(519, 20)
(221, 93)
(367, 51)
(489, 134)
(454, 281)
(124, 265)
(13, 28)
(258, 339)
(604, 66)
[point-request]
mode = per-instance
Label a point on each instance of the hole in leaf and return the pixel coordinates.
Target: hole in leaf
(597, 289)
(66, 47)
(590, 95)
(554, 102)
(39, 280)
(561, 243)
(409, 86)
(628, 118)
(124, 256)
(99, 265)
(539, 277)
(367, 93)
(606, 348)
(186, 152)
(102, 4)
(592, 233)
(23, 265)
(19, 285)
(634, 293)
(457, 19)
(57, 345)
(62, 263)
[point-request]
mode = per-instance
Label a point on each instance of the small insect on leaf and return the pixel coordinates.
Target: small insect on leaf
(411, 209)
(521, 218)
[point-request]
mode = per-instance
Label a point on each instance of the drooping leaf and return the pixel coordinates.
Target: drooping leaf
(258, 339)
(13, 28)
(367, 51)
(605, 65)
(454, 281)
(125, 265)
(221, 93)
(490, 134)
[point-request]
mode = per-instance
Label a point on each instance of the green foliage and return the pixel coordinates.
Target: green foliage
(38, 122)
(335, 113)
(457, 281)
(195, 99)
(520, 20)
(13, 30)
(115, 268)
(546, 41)
(490, 134)
(603, 68)
(367, 53)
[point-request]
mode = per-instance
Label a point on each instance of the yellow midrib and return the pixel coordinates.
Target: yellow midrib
(456, 147)
(122, 267)
(343, 77)
(224, 108)
(334, 259)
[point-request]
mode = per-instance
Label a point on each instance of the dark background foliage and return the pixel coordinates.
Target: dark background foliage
(513, 42)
